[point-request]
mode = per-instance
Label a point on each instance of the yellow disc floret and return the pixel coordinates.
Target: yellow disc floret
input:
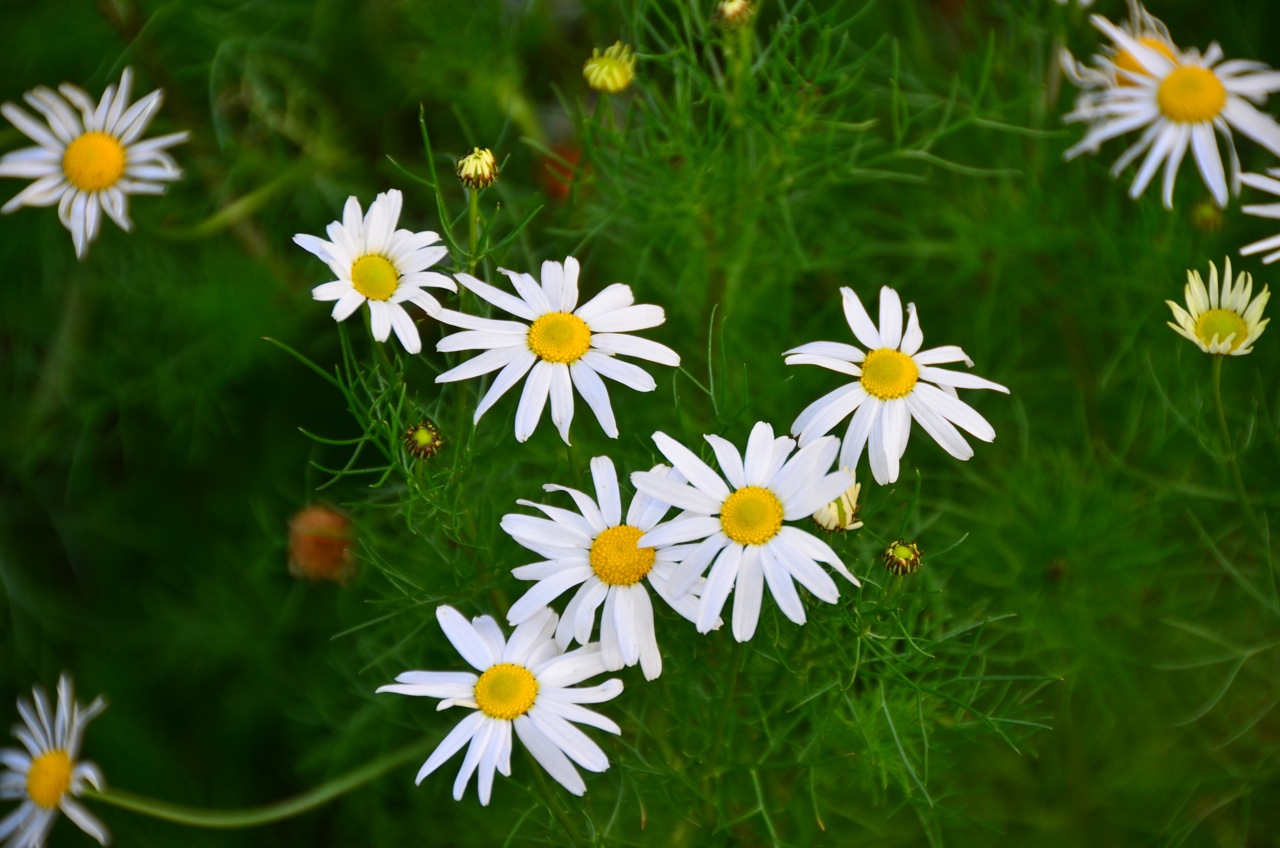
(617, 560)
(375, 277)
(94, 161)
(559, 337)
(1218, 324)
(889, 374)
(506, 691)
(1191, 95)
(49, 778)
(1124, 59)
(751, 516)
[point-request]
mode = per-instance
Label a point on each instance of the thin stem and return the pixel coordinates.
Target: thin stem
(557, 809)
(1228, 447)
(256, 816)
(473, 231)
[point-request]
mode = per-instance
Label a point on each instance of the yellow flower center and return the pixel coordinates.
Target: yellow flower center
(611, 72)
(375, 277)
(423, 437)
(617, 560)
(1191, 95)
(93, 162)
(1220, 323)
(902, 552)
(751, 516)
(559, 337)
(506, 691)
(889, 374)
(1124, 59)
(49, 778)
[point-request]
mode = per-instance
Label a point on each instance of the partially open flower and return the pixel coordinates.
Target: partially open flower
(842, 513)
(1225, 323)
(732, 14)
(478, 169)
(902, 558)
(320, 544)
(423, 440)
(613, 71)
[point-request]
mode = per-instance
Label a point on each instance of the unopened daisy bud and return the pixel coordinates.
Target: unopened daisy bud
(1206, 216)
(732, 14)
(320, 544)
(612, 71)
(842, 513)
(902, 558)
(1221, 323)
(423, 440)
(478, 169)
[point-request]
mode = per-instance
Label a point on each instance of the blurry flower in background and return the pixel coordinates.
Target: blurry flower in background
(1084, 3)
(557, 170)
(563, 346)
(1221, 324)
(48, 775)
(423, 440)
(732, 14)
(902, 558)
(613, 71)
(88, 163)
(478, 169)
(320, 544)
(1206, 217)
(1263, 210)
(842, 513)
(525, 685)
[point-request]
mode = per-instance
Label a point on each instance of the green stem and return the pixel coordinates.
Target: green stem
(1228, 447)
(473, 231)
(714, 757)
(256, 816)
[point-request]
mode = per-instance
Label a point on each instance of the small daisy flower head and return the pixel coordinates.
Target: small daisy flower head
(526, 685)
(1180, 104)
(1115, 66)
(902, 558)
(1222, 323)
(732, 14)
(597, 551)
(89, 157)
(377, 264)
(423, 440)
(840, 514)
(563, 346)
(478, 169)
(49, 775)
(896, 383)
(738, 519)
(1263, 210)
(612, 71)
(320, 540)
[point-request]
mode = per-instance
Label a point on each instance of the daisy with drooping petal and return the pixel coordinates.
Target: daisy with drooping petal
(594, 550)
(1223, 325)
(525, 685)
(89, 163)
(739, 524)
(1113, 65)
(379, 265)
(1263, 210)
(48, 775)
(1179, 104)
(564, 346)
(895, 384)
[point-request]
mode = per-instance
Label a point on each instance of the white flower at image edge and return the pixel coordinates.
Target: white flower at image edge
(525, 685)
(89, 163)
(895, 384)
(377, 264)
(596, 551)
(49, 774)
(563, 347)
(741, 531)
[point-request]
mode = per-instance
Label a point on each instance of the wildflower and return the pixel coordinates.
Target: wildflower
(1263, 210)
(842, 513)
(377, 264)
(732, 14)
(48, 775)
(320, 544)
(741, 528)
(89, 163)
(1221, 325)
(563, 346)
(1114, 65)
(594, 550)
(1178, 103)
(895, 384)
(423, 440)
(613, 71)
(1206, 217)
(478, 169)
(902, 558)
(526, 684)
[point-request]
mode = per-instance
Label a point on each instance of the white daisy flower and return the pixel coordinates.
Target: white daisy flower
(564, 346)
(594, 550)
(1221, 325)
(1107, 68)
(91, 161)
(1263, 210)
(741, 528)
(377, 264)
(1179, 104)
(894, 385)
(48, 775)
(526, 685)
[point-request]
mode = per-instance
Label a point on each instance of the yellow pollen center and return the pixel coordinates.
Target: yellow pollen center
(902, 552)
(423, 437)
(506, 691)
(93, 162)
(375, 277)
(751, 516)
(1220, 323)
(1191, 95)
(559, 337)
(889, 374)
(617, 560)
(1124, 59)
(49, 778)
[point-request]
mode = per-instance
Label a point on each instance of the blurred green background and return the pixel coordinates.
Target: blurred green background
(150, 453)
